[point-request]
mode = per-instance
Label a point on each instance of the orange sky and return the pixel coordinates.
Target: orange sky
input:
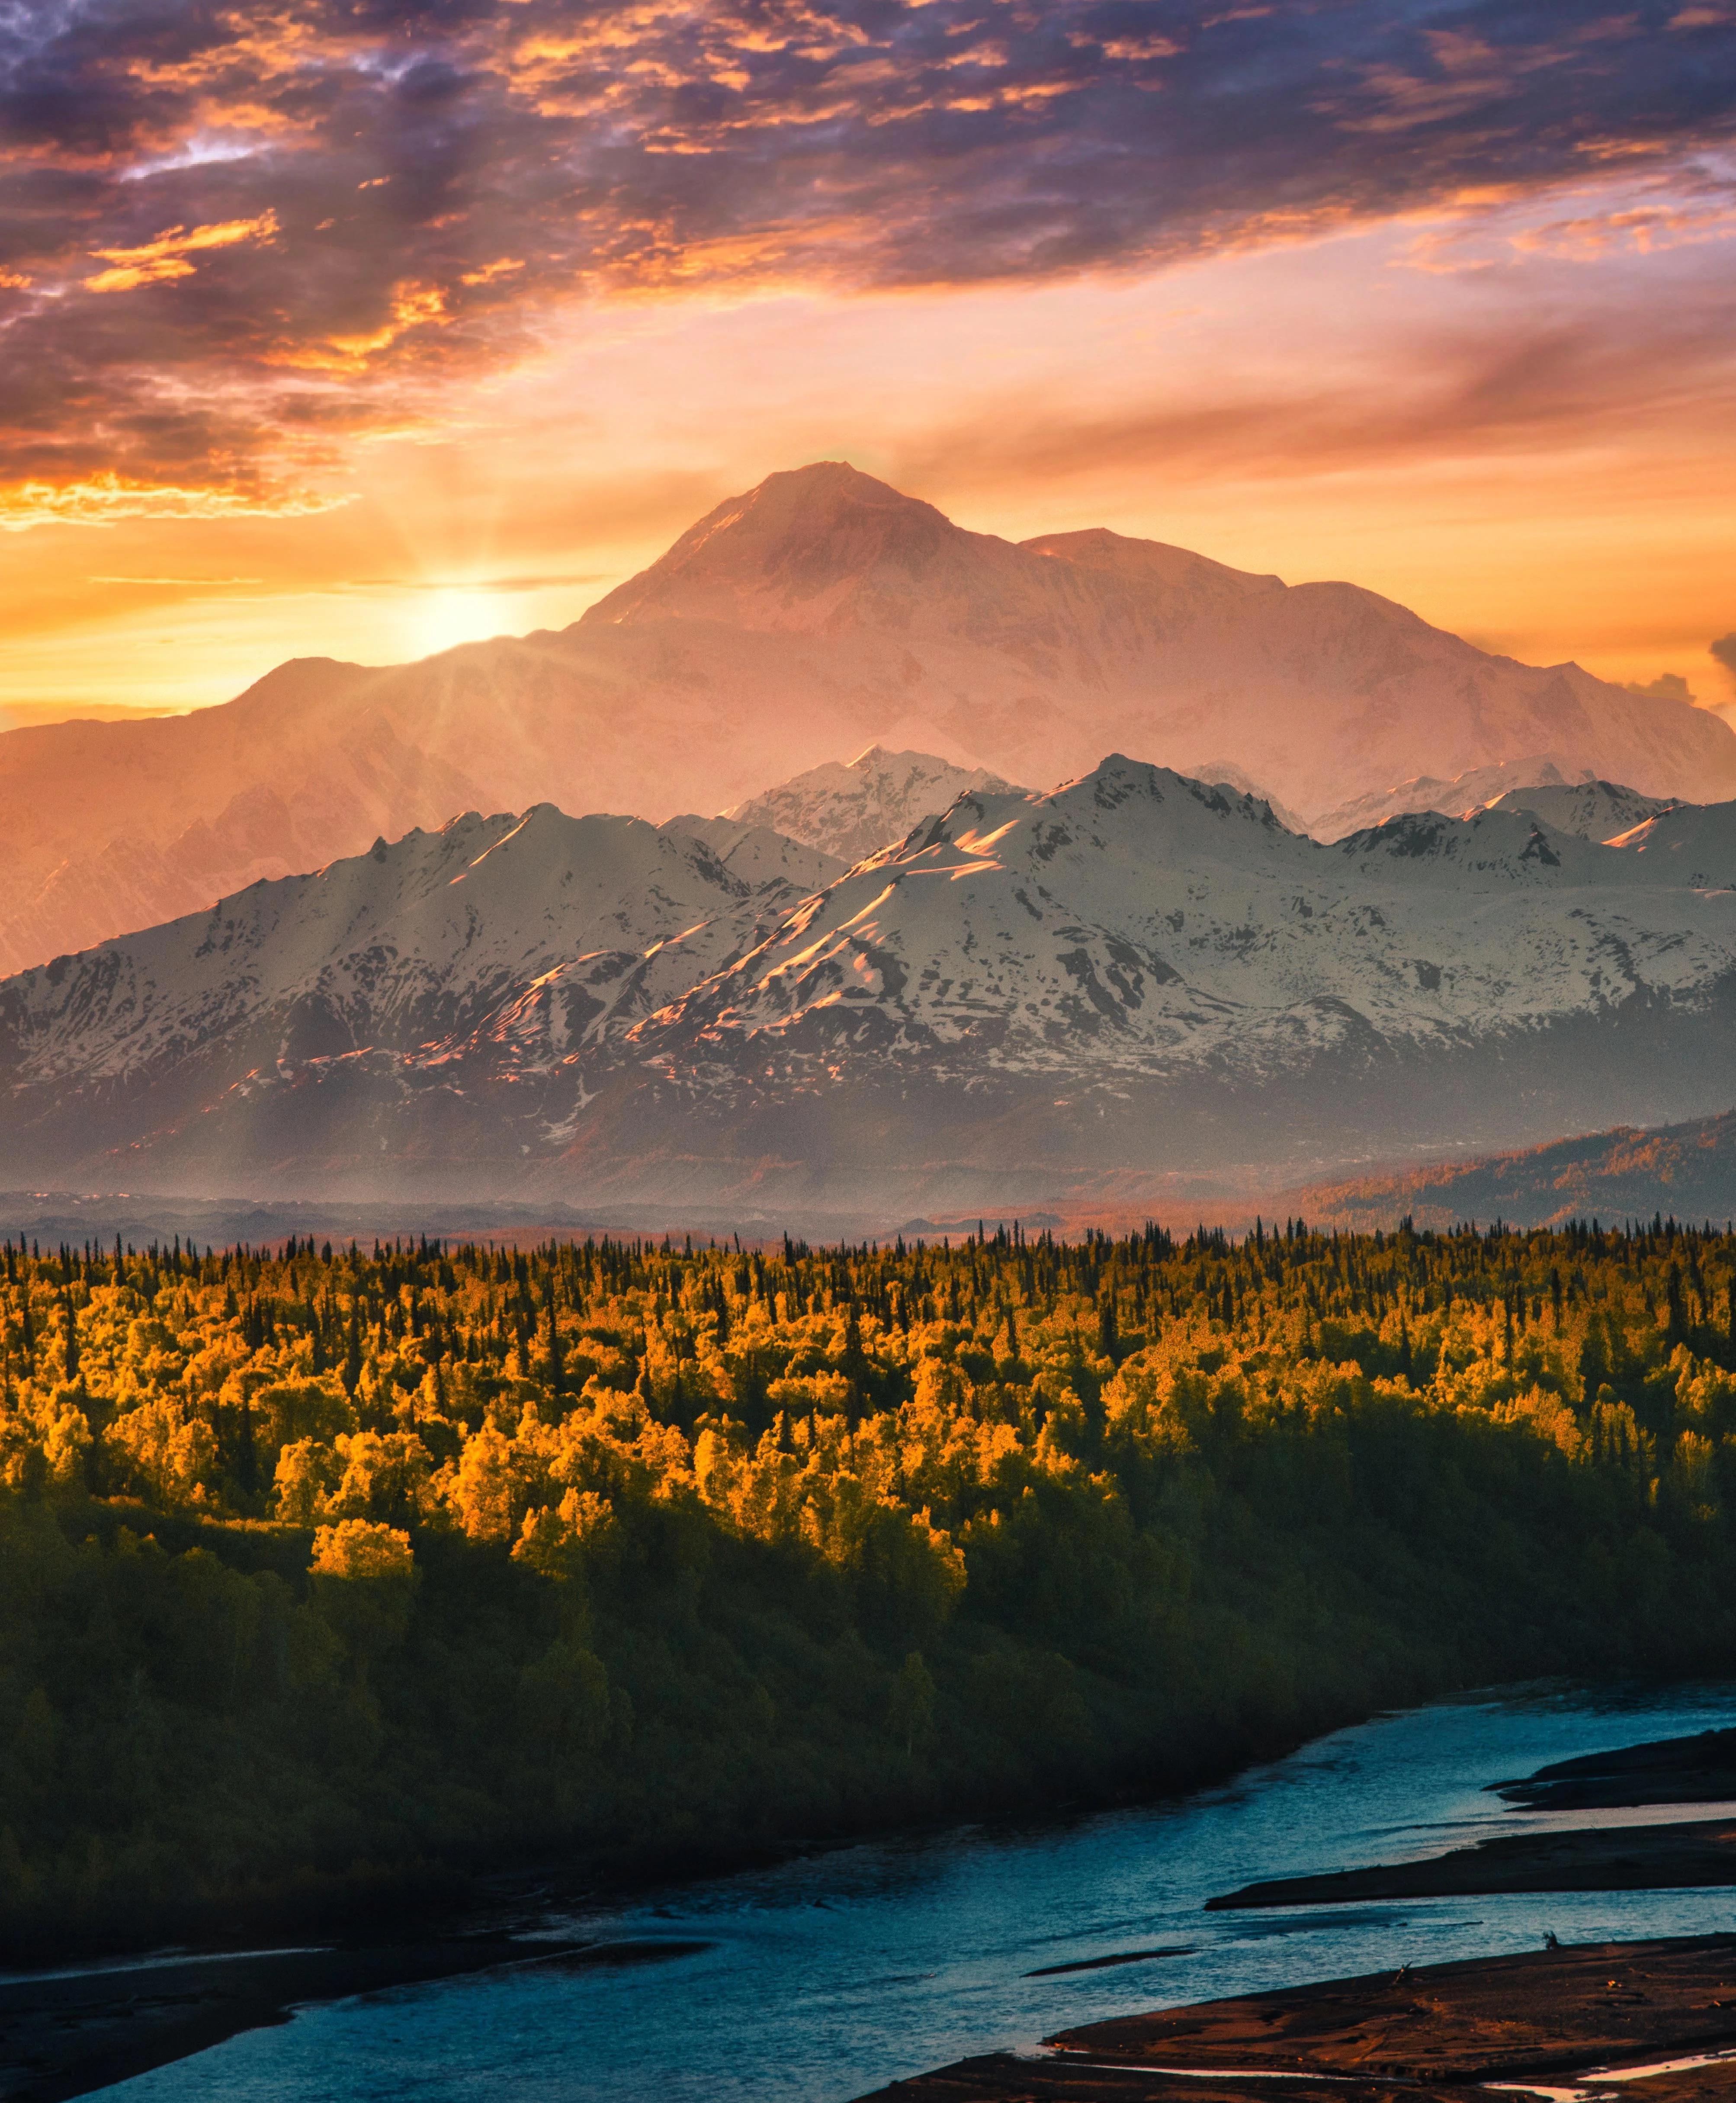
(1466, 337)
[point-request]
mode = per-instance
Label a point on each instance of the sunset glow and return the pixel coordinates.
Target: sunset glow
(367, 334)
(867, 984)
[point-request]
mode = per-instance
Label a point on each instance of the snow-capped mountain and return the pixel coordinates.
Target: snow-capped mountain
(810, 616)
(1690, 844)
(854, 811)
(440, 948)
(1472, 790)
(1038, 657)
(1592, 810)
(1570, 802)
(1134, 922)
(1134, 971)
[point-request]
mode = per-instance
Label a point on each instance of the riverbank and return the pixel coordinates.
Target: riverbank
(1566, 2018)
(1696, 1856)
(1700, 1769)
(64, 2034)
(825, 1974)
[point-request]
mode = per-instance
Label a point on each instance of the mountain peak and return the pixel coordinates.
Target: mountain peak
(787, 553)
(879, 798)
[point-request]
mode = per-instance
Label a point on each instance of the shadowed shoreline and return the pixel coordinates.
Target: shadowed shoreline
(67, 2033)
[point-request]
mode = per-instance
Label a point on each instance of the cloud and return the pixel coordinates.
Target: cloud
(1667, 686)
(1724, 650)
(317, 219)
(104, 500)
(166, 257)
(1518, 387)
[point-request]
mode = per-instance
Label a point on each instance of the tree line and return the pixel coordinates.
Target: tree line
(328, 1573)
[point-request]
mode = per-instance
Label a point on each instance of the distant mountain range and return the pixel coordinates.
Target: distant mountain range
(819, 613)
(1136, 972)
(1687, 1171)
(1542, 785)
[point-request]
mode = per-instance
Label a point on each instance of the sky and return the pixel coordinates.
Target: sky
(362, 327)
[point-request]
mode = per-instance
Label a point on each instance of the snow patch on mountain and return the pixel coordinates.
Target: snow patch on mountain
(524, 933)
(854, 811)
(1465, 792)
(1134, 920)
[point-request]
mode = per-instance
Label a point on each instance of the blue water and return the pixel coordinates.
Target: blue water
(827, 1977)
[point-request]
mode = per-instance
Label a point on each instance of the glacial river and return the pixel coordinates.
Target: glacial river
(815, 1981)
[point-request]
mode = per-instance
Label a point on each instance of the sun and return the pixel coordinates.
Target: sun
(442, 618)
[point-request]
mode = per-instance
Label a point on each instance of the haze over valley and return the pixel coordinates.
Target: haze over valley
(1019, 1000)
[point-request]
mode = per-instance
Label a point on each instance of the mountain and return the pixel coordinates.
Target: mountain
(854, 811)
(1571, 803)
(441, 952)
(813, 615)
(1686, 1171)
(1224, 774)
(1592, 810)
(1135, 922)
(1135, 974)
(1472, 790)
(1038, 657)
(1694, 843)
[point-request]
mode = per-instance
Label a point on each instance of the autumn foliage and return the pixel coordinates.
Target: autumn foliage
(322, 1569)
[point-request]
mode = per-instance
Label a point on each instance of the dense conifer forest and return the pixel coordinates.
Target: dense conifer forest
(328, 1573)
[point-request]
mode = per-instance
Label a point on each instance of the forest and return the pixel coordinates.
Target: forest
(331, 1579)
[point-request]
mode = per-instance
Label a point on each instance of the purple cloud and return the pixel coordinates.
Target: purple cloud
(413, 183)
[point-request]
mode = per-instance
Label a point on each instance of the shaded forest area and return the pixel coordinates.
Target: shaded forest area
(326, 1576)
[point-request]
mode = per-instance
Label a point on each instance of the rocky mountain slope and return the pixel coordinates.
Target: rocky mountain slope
(801, 621)
(1696, 843)
(1591, 810)
(1135, 919)
(1134, 972)
(442, 949)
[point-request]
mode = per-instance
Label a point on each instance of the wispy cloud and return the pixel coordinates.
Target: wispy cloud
(154, 262)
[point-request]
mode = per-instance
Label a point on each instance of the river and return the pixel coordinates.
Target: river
(820, 1978)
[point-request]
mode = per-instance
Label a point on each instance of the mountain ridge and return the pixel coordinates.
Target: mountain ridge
(1133, 975)
(1686, 1171)
(855, 811)
(1026, 660)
